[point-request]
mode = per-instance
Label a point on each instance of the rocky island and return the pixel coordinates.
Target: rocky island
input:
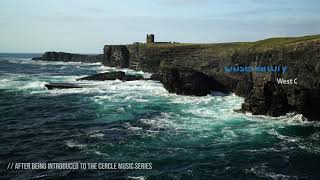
(197, 69)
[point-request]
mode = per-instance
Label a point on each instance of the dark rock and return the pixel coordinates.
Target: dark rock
(132, 78)
(156, 77)
(37, 58)
(116, 56)
(311, 104)
(52, 86)
(196, 69)
(274, 100)
(68, 57)
(112, 76)
(188, 81)
(269, 99)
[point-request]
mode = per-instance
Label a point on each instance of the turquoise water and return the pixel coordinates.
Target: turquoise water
(184, 137)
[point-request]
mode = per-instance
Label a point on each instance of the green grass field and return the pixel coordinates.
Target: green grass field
(266, 43)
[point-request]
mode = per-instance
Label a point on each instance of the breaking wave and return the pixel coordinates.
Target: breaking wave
(117, 121)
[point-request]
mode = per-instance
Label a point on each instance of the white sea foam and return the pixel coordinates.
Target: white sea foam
(36, 83)
(19, 82)
(100, 153)
(202, 113)
(302, 143)
(288, 119)
(136, 178)
(15, 60)
(40, 62)
(163, 121)
(264, 172)
(33, 85)
(73, 144)
(131, 127)
(98, 135)
(228, 133)
(196, 114)
(211, 109)
(283, 137)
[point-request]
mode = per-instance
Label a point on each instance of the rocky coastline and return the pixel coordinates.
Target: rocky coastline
(69, 57)
(197, 69)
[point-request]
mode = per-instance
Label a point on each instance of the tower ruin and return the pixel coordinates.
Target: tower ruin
(150, 38)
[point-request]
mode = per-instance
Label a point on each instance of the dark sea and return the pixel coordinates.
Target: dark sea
(184, 137)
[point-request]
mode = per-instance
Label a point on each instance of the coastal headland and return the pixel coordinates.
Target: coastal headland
(197, 69)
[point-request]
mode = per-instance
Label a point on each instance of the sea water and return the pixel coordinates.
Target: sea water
(184, 137)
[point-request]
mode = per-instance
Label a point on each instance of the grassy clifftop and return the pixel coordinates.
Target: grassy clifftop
(271, 42)
(257, 45)
(204, 57)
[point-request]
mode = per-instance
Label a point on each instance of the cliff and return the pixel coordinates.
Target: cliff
(196, 69)
(68, 57)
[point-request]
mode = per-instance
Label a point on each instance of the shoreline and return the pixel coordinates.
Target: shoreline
(196, 69)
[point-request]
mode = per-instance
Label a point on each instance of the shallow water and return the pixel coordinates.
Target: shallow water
(184, 137)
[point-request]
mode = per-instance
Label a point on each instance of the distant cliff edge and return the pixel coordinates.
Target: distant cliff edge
(69, 57)
(197, 69)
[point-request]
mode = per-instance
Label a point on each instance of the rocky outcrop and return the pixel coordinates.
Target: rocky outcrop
(196, 69)
(310, 104)
(275, 100)
(68, 57)
(269, 99)
(52, 86)
(264, 94)
(116, 56)
(112, 76)
(187, 81)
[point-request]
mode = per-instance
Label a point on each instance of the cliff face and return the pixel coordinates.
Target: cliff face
(269, 97)
(207, 59)
(196, 69)
(68, 57)
(187, 81)
(191, 69)
(116, 56)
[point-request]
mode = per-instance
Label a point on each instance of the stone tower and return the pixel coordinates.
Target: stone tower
(150, 38)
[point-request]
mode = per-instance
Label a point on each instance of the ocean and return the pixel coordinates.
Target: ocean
(184, 137)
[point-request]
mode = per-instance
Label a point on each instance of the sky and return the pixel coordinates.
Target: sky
(85, 26)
